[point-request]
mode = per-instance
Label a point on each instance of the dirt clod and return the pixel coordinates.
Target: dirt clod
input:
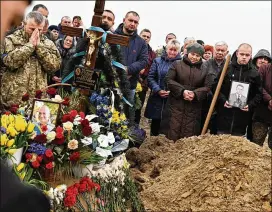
(205, 173)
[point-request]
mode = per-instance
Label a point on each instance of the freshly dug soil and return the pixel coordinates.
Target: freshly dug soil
(206, 173)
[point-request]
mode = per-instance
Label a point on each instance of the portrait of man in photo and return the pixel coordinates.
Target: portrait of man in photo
(238, 95)
(44, 116)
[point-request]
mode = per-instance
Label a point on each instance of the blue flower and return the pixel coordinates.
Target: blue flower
(105, 108)
(106, 100)
(38, 149)
(93, 97)
(99, 99)
(3, 130)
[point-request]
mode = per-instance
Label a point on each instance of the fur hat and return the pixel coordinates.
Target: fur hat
(208, 48)
(201, 42)
(53, 27)
(196, 48)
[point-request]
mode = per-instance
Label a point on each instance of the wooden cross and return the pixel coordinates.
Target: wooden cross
(95, 36)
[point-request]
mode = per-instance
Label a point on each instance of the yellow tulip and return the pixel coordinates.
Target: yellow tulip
(11, 151)
(22, 175)
(4, 139)
(124, 127)
(20, 124)
(139, 88)
(4, 118)
(123, 117)
(20, 167)
(11, 131)
(10, 143)
(30, 127)
(11, 119)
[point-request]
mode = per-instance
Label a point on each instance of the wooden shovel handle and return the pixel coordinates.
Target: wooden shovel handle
(216, 95)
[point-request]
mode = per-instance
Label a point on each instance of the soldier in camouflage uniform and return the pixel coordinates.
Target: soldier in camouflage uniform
(161, 51)
(27, 58)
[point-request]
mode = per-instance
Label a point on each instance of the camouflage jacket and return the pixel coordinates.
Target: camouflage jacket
(159, 52)
(26, 67)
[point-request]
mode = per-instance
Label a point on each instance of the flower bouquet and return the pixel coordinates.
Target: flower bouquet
(15, 133)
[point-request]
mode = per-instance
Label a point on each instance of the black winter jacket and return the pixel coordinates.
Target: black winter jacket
(234, 120)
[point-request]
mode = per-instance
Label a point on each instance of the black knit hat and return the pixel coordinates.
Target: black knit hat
(196, 48)
(53, 27)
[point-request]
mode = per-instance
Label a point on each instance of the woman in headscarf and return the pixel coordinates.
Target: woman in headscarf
(188, 86)
(67, 48)
(156, 82)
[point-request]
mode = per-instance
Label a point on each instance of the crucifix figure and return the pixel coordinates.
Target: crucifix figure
(95, 36)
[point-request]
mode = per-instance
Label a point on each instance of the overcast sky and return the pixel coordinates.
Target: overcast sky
(232, 21)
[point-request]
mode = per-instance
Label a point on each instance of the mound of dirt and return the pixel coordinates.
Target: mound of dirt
(206, 173)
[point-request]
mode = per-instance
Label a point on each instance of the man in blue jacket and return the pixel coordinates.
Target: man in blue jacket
(135, 56)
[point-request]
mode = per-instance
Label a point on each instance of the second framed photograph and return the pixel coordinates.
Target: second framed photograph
(44, 115)
(238, 94)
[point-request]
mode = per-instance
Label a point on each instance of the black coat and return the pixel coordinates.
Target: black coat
(234, 120)
(135, 55)
(15, 196)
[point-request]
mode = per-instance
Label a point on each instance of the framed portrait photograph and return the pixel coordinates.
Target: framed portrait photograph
(44, 115)
(238, 94)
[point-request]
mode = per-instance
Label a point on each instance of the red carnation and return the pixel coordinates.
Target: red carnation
(14, 105)
(49, 153)
(70, 201)
(40, 158)
(97, 187)
(44, 128)
(35, 164)
(7, 113)
(51, 92)
(86, 131)
(38, 94)
(82, 115)
(59, 132)
(85, 123)
(83, 187)
(76, 185)
(28, 156)
(13, 110)
(25, 97)
(59, 141)
(66, 101)
(66, 118)
(75, 156)
(73, 114)
(40, 138)
(49, 165)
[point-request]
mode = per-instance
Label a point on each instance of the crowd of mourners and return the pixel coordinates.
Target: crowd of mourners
(182, 76)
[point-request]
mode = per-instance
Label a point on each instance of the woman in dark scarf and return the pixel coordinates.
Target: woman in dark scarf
(67, 48)
(188, 86)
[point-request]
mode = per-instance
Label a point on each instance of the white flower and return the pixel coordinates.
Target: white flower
(111, 138)
(95, 127)
(50, 136)
(73, 144)
(103, 152)
(77, 120)
(103, 141)
(87, 141)
(50, 193)
(57, 98)
(90, 117)
(58, 201)
(68, 126)
(114, 189)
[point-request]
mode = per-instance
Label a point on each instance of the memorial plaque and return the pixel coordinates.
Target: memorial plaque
(86, 78)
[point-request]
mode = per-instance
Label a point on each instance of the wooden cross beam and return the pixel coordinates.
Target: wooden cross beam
(95, 36)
